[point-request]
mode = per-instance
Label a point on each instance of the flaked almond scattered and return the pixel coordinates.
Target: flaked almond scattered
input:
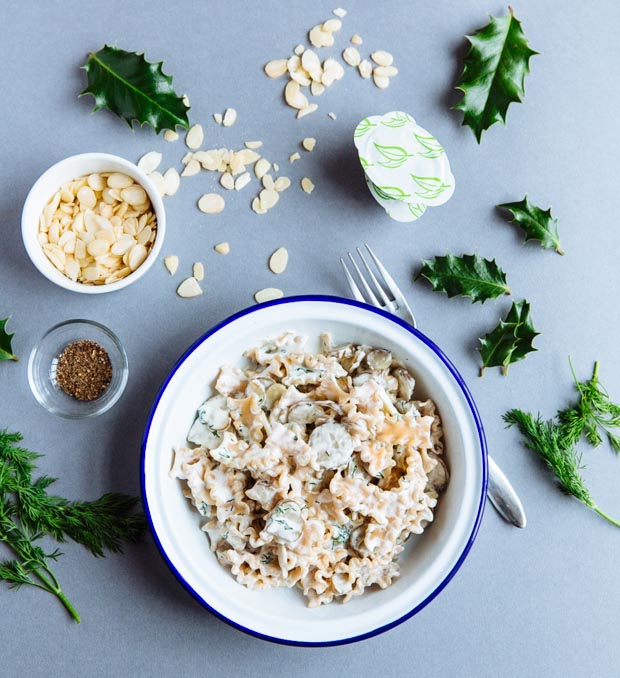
(281, 184)
(256, 206)
(222, 248)
(227, 181)
(150, 162)
(242, 180)
(356, 40)
(316, 88)
(171, 262)
(261, 167)
(381, 81)
(293, 96)
(278, 261)
(319, 37)
(158, 179)
(268, 294)
(386, 71)
(276, 167)
(171, 135)
(303, 112)
(189, 288)
(294, 157)
(307, 185)
(194, 137)
(267, 181)
(253, 145)
(275, 68)
(172, 181)
(230, 117)
(351, 56)
(382, 58)
(339, 12)
(332, 115)
(192, 168)
(309, 143)
(211, 203)
(186, 99)
(218, 118)
(198, 271)
(365, 68)
(332, 25)
(268, 198)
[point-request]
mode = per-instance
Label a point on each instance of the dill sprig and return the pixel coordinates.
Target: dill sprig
(555, 441)
(28, 513)
(595, 412)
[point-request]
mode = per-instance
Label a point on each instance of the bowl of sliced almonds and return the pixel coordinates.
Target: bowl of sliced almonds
(93, 223)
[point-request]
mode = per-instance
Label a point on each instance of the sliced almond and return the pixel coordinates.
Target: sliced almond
(222, 248)
(96, 182)
(137, 255)
(293, 63)
(299, 50)
(86, 197)
(172, 181)
(253, 144)
(339, 12)
(211, 203)
(247, 156)
(191, 169)
(319, 37)
(303, 112)
(189, 288)
(310, 61)
(242, 180)
(281, 184)
(122, 245)
(386, 71)
(55, 255)
(356, 40)
(293, 157)
(198, 271)
(275, 68)
(158, 179)
(278, 261)
(210, 160)
(218, 118)
(268, 294)
(365, 68)
(149, 162)
(134, 195)
(268, 198)
(334, 68)
(171, 262)
(171, 135)
(332, 25)
(227, 181)
(382, 58)
(119, 180)
(186, 100)
(188, 157)
(256, 206)
(261, 168)
(307, 185)
(381, 81)
(293, 96)
(194, 137)
(268, 181)
(309, 143)
(351, 56)
(230, 117)
(317, 88)
(276, 167)
(301, 78)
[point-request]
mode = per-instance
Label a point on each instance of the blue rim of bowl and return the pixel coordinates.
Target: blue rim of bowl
(472, 406)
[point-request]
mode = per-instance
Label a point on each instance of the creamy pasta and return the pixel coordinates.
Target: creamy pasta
(313, 469)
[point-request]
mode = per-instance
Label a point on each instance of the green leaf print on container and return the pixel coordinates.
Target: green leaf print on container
(417, 209)
(363, 128)
(391, 192)
(365, 164)
(397, 120)
(394, 156)
(430, 187)
(432, 148)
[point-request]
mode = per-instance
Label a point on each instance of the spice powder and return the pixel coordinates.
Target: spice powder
(84, 370)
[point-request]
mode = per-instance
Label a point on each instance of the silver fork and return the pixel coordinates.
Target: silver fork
(387, 296)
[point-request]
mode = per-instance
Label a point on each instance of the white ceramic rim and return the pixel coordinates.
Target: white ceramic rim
(43, 189)
(154, 517)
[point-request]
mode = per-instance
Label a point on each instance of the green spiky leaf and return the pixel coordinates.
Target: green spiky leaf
(468, 276)
(538, 224)
(511, 340)
(494, 72)
(135, 89)
(6, 339)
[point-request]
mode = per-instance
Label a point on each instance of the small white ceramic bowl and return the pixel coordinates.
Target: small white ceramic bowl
(429, 561)
(66, 170)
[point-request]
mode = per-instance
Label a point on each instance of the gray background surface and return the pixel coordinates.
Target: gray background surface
(542, 601)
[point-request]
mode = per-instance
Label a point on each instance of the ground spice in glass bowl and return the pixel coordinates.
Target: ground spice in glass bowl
(84, 370)
(78, 369)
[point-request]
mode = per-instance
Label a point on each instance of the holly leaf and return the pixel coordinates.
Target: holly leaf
(511, 340)
(128, 85)
(469, 276)
(6, 351)
(538, 224)
(494, 72)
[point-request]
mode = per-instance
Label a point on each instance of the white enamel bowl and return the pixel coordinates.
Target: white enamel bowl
(66, 170)
(429, 561)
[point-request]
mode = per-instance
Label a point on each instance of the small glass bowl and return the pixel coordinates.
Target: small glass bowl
(42, 369)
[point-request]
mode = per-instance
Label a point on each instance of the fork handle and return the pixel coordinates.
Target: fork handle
(503, 496)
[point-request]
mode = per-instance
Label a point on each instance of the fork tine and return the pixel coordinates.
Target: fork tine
(386, 300)
(352, 284)
(373, 299)
(389, 282)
